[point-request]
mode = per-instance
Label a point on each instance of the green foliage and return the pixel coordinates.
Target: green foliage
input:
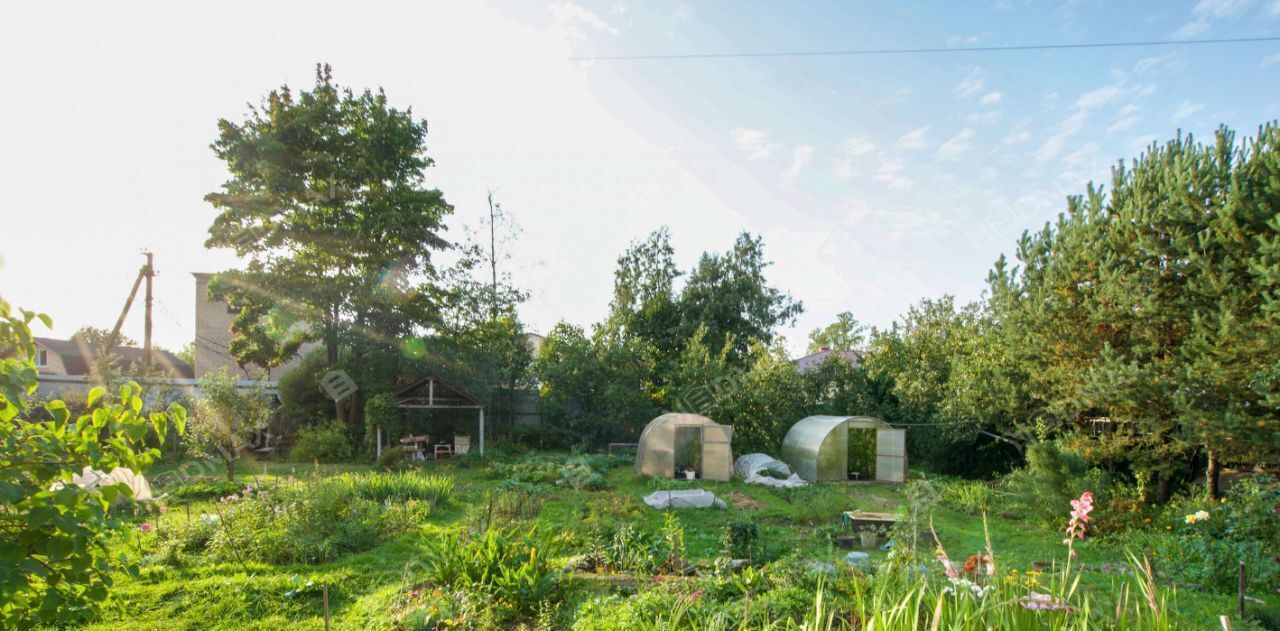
(323, 521)
(845, 334)
(381, 410)
(972, 497)
(394, 487)
(323, 442)
(580, 472)
(57, 568)
(391, 457)
(1153, 307)
(327, 204)
(1053, 476)
(225, 418)
(202, 490)
(1207, 552)
(302, 401)
(739, 539)
(514, 570)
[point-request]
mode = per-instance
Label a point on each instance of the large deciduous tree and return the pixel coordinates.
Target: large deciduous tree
(845, 334)
(327, 204)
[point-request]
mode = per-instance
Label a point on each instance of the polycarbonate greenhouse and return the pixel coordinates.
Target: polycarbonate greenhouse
(817, 448)
(673, 443)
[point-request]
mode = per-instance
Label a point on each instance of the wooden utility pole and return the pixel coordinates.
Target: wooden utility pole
(150, 272)
(145, 272)
(493, 258)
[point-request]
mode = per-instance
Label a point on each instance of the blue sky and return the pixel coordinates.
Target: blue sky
(876, 180)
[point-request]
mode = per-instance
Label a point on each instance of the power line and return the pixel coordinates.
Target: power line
(928, 51)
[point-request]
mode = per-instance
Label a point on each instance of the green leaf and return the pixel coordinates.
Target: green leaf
(94, 394)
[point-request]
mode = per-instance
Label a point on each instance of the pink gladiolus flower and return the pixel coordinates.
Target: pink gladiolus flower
(144, 527)
(695, 595)
(1080, 510)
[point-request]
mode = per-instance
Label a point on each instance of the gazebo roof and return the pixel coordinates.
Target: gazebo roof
(431, 391)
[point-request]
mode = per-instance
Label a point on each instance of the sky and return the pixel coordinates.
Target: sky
(876, 181)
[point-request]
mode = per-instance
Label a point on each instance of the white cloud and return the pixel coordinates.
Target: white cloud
(1123, 124)
(1159, 64)
(971, 84)
(1141, 143)
(957, 40)
(991, 98)
(984, 118)
(889, 173)
(754, 143)
(956, 146)
(1054, 144)
(1186, 110)
(858, 146)
(1206, 11)
(853, 148)
(894, 225)
(1099, 97)
(800, 158)
(573, 18)
(913, 139)
(1271, 59)
(1017, 137)
(1128, 108)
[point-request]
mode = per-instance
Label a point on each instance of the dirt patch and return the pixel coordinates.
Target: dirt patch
(742, 502)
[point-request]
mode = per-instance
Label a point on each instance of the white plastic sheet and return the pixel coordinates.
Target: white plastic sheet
(694, 498)
(751, 466)
(92, 478)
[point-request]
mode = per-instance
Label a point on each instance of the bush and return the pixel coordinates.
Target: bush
(392, 487)
(381, 411)
(324, 521)
(1053, 476)
(514, 570)
(204, 490)
(391, 457)
(967, 496)
(579, 472)
(1207, 550)
(325, 442)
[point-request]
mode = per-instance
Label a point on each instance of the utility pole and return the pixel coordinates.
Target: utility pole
(150, 272)
(146, 272)
(493, 258)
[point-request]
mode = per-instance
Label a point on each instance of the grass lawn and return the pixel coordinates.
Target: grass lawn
(367, 587)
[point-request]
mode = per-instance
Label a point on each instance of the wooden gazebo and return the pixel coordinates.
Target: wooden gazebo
(433, 393)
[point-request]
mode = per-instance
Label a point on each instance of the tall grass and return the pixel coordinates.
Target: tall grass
(394, 487)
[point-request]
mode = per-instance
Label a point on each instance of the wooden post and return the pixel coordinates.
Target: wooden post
(325, 589)
(1240, 604)
(481, 431)
(379, 450)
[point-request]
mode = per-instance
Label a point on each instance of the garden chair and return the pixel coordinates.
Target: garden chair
(461, 445)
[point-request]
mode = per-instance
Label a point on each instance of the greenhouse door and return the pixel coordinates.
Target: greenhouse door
(891, 455)
(717, 453)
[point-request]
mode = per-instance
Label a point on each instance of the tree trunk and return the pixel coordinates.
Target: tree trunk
(331, 352)
(1211, 474)
(1162, 487)
(231, 470)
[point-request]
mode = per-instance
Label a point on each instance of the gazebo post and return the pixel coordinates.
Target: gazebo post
(481, 431)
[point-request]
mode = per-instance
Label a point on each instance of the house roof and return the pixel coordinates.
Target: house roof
(77, 357)
(810, 362)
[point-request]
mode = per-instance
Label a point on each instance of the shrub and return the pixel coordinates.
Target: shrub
(515, 570)
(206, 489)
(382, 411)
(325, 442)
(392, 487)
(1053, 476)
(738, 539)
(1207, 550)
(391, 457)
(580, 472)
(967, 496)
